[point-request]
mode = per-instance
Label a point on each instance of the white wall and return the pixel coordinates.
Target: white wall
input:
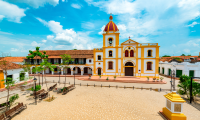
(153, 52)
(139, 52)
(114, 65)
(99, 53)
(15, 74)
(87, 60)
(119, 52)
(106, 39)
(113, 53)
(153, 66)
(184, 66)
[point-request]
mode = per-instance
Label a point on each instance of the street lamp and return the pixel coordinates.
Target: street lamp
(74, 77)
(173, 77)
(35, 80)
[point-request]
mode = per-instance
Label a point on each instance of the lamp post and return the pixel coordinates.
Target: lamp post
(39, 78)
(74, 77)
(35, 80)
(173, 77)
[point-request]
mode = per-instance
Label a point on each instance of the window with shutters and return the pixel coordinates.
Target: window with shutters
(126, 53)
(149, 65)
(110, 65)
(110, 53)
(131, 53)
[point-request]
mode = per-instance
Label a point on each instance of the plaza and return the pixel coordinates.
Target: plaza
(99, 103)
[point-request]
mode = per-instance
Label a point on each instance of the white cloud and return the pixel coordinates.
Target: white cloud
(88, 25)
(14, 49)
(60, 46)
(44, 41)
(102, 28)
(11, 12)
(193, 24)
(35, 44)
(6, 33)
(68, 37)
(37, 3)
(141, 19)
(77, 6)
(48, 47)
(186, 50)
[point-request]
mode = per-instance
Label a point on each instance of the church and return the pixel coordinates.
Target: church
(129, 58)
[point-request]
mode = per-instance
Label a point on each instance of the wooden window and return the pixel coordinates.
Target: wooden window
(110, 53)
(90, 61)
(126, 53)
(110, 65)
(99, 57)
(149, 53)
(132, 53)
(149, 65)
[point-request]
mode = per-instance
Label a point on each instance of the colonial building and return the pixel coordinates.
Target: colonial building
(129, 58)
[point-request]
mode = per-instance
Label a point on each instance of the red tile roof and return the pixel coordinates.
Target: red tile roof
(9, 65)
(13, 59)
(72, 53)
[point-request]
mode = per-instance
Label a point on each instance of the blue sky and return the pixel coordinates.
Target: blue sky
(78, 24)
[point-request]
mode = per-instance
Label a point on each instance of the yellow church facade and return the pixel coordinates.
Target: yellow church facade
(129, 58)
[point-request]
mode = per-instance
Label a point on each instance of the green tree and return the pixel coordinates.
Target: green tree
(166, 56)
(189, 55)
(8, 82)
(44, 65)
(184, 86)
(66, 59)
(26, 67)
(183, 55)
(36, 54)
(12, 99)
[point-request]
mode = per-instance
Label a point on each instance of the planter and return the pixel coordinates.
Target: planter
(157, 80)
(153, 80)
(114, 78)
(89, 77)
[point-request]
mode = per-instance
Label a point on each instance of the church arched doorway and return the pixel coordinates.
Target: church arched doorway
(129, 69)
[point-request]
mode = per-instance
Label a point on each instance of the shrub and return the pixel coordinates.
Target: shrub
(115, 76)
(38, 87)
(100, 76)
(107, 78)
(63, 88)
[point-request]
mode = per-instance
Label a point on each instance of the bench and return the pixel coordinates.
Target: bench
(15, 110)
(43, 95)
(37, 93)
(52, 87)
(2, 117)
(71, 87)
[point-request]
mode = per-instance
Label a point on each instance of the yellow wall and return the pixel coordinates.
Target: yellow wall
(1, 78)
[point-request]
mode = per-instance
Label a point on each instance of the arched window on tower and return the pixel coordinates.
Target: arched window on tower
(126, 53)
(149, 53)
(110, 41)
(110, 53)
(131, 53)
(149, 65)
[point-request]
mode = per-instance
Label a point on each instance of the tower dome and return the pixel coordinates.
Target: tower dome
(111, 26)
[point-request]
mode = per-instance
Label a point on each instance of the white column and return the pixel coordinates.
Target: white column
(72, 71)
(61, 60)
(52, 72)
(61, 71)
(43, 72)
(81, 72)
(31, 70)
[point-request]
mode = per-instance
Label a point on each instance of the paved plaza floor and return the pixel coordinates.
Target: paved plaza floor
(90, 103)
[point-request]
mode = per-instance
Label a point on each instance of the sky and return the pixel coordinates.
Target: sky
(78, 24)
